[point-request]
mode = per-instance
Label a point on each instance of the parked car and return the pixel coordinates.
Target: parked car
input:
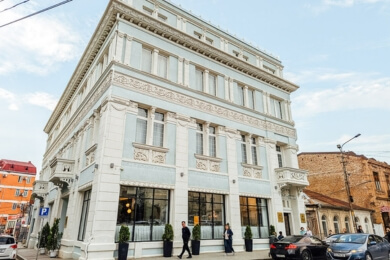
(330, 239)
(8, 247)
(359, 246)
(298, 247)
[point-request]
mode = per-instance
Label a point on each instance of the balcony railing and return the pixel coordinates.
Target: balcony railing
(61, 171)
(291, 176)
(40, 189)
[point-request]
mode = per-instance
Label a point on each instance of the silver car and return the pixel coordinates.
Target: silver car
(8, 247)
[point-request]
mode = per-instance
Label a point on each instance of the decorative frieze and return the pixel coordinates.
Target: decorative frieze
(90, 155)
(291, 176)
(150, 153)
(252, 171)
(208, 163)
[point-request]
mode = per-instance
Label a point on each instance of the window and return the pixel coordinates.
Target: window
(28, 180)
(239, 99)
(162, 66)
(209, 41)
(357, 221)
(212, 142)
(199, 138)
(347, 224)
(324, 226)
(377, 182)
(17, 192)
(212, 85)
(366, 224)
(158, 130)
(276, 108)
(336, 225)
(162, 17)
(145, 211)
(25, 193)
(244, 156)
(254, 213)
(251, 98)
(142, 126)
(210, 210)
(254, 151)
(84, 215)
(280, 157)
(14, 206)
(147, 60)
(148, 10)
(198, 35)
(20, 179)
(388, 182)
(198, 80)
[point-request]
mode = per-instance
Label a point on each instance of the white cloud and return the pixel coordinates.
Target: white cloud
(327, 4)
(357, 94)
(42, 99)
(36, 44)
(322, 74)
(9, 98)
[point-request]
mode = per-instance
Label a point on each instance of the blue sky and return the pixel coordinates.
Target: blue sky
(337, 51)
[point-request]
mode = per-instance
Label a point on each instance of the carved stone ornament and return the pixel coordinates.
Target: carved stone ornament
(150, 153)
(201, 164)
(141, 155)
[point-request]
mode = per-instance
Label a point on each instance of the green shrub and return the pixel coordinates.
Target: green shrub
(168, 233)
(124, 234)
(196, 232)
(248, 233)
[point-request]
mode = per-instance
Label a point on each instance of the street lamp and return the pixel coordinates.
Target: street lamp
(350, 198)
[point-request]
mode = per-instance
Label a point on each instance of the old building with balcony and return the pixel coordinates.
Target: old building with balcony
(369, 182)
(168, 118)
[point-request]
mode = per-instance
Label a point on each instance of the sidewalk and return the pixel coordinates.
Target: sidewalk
(30, 254)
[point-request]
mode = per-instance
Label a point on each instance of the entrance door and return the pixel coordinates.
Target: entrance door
(287, 223)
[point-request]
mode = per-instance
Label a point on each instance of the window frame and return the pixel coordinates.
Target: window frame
(143, 66)
(279, 154)
(259, 211)
(377, 181)
(84, 215)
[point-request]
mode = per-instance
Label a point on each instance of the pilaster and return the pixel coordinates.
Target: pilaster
(186, 73)
(180, 71)
(128, 42)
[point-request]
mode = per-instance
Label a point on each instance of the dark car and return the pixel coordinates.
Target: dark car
(298, 247)
(359, 246)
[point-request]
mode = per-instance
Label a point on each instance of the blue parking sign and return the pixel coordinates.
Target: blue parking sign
(44, 212)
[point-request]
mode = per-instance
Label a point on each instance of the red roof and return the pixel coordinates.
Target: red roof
(17, 166)
(331, 202)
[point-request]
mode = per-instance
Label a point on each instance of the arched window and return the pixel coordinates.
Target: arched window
(346, 221)
(366, 225)
(336, 224)
(357, 221)
(324, 226)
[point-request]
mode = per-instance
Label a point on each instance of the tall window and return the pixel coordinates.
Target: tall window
(209, 209)
(388, 182)
(142, 126)
(243, 149)
(357, 221)
(158, 129)
(276, 108)
(212, 85)
(14, 206)
(147, 60)
(254, 213)
(212, 142)
(145, 211)
(84, 215)
(239, 99)
(324, 225)
(377, 181)
(17, 192)
(20, 179)
(336, 225)
(347, 224)
(251, 98)
(25, 193)
(28, 180)
(199, 138)
(366, 225)
(162, 66)
(199, 79)
(254, 151)
(280, 157)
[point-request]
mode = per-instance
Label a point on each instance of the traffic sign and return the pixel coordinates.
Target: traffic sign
(44, 212)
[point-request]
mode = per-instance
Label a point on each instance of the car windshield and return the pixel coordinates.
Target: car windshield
(352, 238)
(291, 239)
(6, 240)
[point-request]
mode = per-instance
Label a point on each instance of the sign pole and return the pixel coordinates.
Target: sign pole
(39, 238)
(43, 213)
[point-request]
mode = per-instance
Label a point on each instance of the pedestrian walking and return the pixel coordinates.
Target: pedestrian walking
(280, 235)
(360, 229)
(228, 239)
(185, 235)
(330, 232)
(387, 236)
(302, 231)
(308, 232)
(345, 230)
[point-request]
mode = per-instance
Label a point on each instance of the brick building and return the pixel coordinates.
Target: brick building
(369, 181)
(16, 180)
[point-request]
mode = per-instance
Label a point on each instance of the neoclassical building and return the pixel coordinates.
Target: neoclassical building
(168, 118)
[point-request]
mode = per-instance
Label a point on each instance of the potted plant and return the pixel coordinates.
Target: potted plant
(271, 230)
(124, 236)
(167, 240)
(53, 239)
(195, 243)
(248, 239)
(43, 238)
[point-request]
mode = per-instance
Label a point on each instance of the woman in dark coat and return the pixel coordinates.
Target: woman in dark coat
(228, 239)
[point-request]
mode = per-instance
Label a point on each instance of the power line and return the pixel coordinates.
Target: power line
(9, 8)
(41, 11)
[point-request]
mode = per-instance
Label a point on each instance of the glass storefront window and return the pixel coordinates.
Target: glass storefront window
(145, 211)
(254, 213)
(209, 210)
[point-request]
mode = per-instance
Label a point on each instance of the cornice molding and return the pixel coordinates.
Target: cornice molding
(122, 80)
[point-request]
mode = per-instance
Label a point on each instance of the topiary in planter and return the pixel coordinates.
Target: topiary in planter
(44, 235)
(168, 240)
(195, 243)
(124, 236)
(248, 239)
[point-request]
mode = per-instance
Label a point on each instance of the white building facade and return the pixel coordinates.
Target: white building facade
(168, 118)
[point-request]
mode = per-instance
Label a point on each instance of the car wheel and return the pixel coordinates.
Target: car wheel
(368, 256)
(388, 256)
(306, 255)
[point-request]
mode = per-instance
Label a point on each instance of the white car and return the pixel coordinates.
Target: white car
(8, 247)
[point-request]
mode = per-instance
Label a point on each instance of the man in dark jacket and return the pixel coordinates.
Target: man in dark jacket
(185, 234)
